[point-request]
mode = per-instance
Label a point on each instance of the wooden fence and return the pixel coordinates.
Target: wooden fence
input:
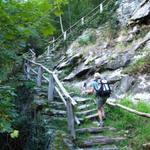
(38, 70)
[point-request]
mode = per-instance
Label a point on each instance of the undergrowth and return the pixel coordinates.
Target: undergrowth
(142, 65)
(136, 128)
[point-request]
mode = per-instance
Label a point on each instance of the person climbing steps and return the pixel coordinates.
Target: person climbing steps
(101, 88)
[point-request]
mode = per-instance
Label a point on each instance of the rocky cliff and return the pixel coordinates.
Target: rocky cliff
(122, 59)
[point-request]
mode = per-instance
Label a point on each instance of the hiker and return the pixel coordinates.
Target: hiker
(102, 90)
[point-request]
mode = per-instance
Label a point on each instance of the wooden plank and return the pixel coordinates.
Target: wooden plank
(64, 90)
(51, 88)
(92, 116)
(84, 100)
(55, 112)
(70, 119)
(129, 110)
(94, 129)
(146, 146)
(34, 71)
(61, 96)
(77, 120)
(46, 79)
(39, 76)
(58, 91)
(84, 106)
(28, 70)
(100, 140)
(86, 112)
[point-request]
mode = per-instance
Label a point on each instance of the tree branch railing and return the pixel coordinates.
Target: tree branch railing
(142, 114)
(53, 84)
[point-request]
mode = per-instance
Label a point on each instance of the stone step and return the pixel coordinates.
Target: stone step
(56, 112)
(100, 140)
(57, 105)
(62, 112)
(88, 117)
(86, 112)
(85, 106)
(95, 129)
(106, 147)
(82, 100)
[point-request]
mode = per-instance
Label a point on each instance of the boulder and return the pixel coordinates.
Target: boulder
(101, 61)
(145, 96)
(126, 9)
(78, 72)
(135, 30)
(121, 60)
(72, 61)
(141, 85)
(124, 85)
(141, 13)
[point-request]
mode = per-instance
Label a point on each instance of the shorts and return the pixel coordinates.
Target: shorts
(100, 101)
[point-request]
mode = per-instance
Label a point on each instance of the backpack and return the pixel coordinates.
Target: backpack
(103, 88)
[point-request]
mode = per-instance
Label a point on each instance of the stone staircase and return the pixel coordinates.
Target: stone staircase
(88, 135)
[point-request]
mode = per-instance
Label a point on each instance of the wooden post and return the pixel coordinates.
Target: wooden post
(24, 66)
(61, 24)
(53, 43)
(71, 120)
(82, 20)
(51, 88)
(39, 76)
(101, 8)
(28, 70)
(48, 50)
(65, 35)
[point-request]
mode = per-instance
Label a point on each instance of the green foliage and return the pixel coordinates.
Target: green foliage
(141, 65)
(127, 102)
(24, 25)
(73, 13)
(14, 134)
(7, 108)
(140, 106)
(138, 129)
(58, 142)
(73, 90)
(87, 39)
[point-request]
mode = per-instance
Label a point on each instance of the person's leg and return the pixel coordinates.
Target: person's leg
(100, 114)
(103, 112)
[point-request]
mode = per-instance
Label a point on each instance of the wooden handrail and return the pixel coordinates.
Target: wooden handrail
(57, 90)
(73, 102)
(129, 110)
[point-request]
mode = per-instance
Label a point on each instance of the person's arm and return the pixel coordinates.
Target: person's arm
(90, 91)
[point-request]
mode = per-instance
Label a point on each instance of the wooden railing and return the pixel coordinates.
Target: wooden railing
(38, 70)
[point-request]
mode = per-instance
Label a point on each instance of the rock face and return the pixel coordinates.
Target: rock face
(72, 61)
(121, 60)
(142, 13)
(78, 72)
(126, 8)
(110, 58)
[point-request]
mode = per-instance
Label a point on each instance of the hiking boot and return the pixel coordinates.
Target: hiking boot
(101, 124)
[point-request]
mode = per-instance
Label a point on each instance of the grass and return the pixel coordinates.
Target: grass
(73, 89)
(142, 65)
(137, 128)
(87, 39)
